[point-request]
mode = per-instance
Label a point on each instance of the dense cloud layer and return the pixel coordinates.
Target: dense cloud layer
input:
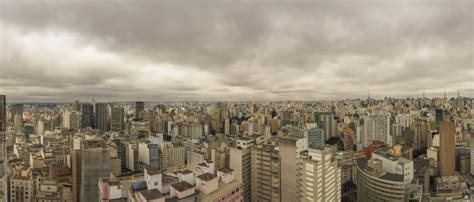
(230, 50)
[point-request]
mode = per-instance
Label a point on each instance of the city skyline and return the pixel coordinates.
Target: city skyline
(180, 50)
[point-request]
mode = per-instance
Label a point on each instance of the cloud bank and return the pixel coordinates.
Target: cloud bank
(234, 50)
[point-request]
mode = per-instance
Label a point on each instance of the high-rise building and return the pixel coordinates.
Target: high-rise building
(376, 127)
(117, 122)
(447, 148)
(75, 120)
(101, 117)
(315, 137)
(240, 162)
(133, 161)
(3, 113)
(472, 153)
(320, 176)
(76, 106)
(71, 119)
(16, 109)
(290, 148)
(384, 178)
(172, 156)
(87, 119)
(3, 127)
(438, 117)
(89, 163)
(139, 107)
(326, 122)
(21, 184)
(265, 173)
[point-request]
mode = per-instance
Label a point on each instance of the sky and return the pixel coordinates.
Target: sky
(234, 50)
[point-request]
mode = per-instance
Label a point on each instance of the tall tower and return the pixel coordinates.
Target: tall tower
(447, 148)
(139, 107)
(76, 106)
(289, 150)
(117, 120)
(3, 127)
(89, 163)
(101, 117)
(16, 109)
(87, 119)
(3, 113)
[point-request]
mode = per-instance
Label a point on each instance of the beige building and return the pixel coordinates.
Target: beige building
(384, 178)
(240, 162)
(172, 156)
(265, 173)
(290, 148)
(320, 176)
(21, 184)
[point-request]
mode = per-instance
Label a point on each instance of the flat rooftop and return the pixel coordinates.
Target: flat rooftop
(182, 186)
(151, 194)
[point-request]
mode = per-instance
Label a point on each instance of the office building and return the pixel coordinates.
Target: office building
(89, 163)
(326, 122)
(240, 161)
(87, 119)
(265, 173)
(172, 156)
(76, 106)
(101, 117)
(21, 184)
(384, 177)
(438, 117)
(315, 138)
(290, 148)
(117, 122)
(320, 176)
(447, 148)
(16, 109)
(139, 108)
(3, 113)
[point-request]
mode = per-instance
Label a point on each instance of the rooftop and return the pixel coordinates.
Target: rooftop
(363, 164)
(226, 170)
(151, 194)
(182, 186)
(206, 177)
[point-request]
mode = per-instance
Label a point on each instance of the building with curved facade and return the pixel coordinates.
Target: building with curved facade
(376, 182)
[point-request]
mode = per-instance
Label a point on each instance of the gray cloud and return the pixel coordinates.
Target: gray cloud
(223, 50)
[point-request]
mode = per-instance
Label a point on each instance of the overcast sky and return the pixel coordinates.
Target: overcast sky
(234, 50)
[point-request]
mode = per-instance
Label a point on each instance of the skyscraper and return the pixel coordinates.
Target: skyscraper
(87, 115)
(16, 109)
(101, 117)
(290, 148)
(326, 122)
(320, 172)
(315, 138)
(447, 148)
(3, 113)
(89, 163)
(265, 173)
(3, 127)
(76, 106)
(438, 117)
(139, 107)
(117, 122)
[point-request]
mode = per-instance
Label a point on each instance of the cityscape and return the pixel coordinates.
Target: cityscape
(236, 101)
